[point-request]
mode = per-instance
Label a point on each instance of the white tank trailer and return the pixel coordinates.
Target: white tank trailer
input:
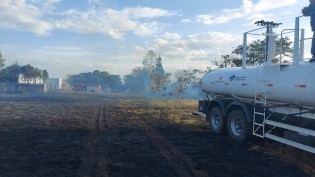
(290, 84)
(272, 100)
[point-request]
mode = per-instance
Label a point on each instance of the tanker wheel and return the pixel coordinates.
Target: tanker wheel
(238, 127)
(216, 120)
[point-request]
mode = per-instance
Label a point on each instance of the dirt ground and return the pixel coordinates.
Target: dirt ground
(80, 134)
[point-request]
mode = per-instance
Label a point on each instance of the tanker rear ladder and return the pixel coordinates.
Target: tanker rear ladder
(260, 104)
(260, 97)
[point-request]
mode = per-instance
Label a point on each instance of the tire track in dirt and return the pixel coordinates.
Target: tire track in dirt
(94, 161)
(182, 164)
(102, 162)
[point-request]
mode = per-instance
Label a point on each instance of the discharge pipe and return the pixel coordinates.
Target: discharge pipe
(296, 41)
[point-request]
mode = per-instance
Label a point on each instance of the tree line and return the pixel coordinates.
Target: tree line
(150, 77)
(103, 78)
(14, 71)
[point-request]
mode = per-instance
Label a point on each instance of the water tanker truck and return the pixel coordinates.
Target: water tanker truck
(274, 100)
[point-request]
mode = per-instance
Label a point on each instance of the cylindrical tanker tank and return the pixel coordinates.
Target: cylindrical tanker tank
(290, 84)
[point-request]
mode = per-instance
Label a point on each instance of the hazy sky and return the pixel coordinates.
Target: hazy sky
(72, 36)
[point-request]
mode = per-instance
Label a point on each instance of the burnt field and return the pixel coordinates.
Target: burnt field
(80, 134)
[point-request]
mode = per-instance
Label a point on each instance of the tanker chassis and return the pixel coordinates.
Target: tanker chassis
(273, 100)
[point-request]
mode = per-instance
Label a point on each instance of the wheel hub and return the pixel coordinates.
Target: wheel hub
(237, 126)
(216, 121)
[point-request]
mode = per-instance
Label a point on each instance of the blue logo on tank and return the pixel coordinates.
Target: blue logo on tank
(232, 78)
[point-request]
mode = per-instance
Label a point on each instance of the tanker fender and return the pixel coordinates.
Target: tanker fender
(222, 103)
(246, 108)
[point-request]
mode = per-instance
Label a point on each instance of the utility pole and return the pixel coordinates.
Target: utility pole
(269, 30)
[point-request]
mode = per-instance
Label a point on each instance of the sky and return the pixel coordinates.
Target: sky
(73, 36)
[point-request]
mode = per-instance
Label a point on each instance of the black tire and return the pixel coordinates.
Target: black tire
(238, 127)
(216, 120)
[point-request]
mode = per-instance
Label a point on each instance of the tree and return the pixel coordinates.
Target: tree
(31, 73)
(159, 82)
(84, 78)
(138, 80)
(256, 52)
(114, 82)
(96, 73)
(45, 74)
(158, 78)
(10, 73)
(149, 60)
(151, 76)
(2, 60)
(187, 82)
(183, 78)
(159, 66)
(38, 74)
(283, 47)
(27, 72)
(130, 83)
(102, 78)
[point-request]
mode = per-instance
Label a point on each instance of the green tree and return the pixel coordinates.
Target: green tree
(158, 68)
(2, 60)
(183, 78)
(158, 78)
(256, 52)
(159, 82)
(187, 80)
(96, 73)
(31, 73)
(130, 83)
(27, 72)
(10, 73)
(137, 81)
(149, 60)
(102, 78)
(114, 82)
(151, 76)
(45, 74)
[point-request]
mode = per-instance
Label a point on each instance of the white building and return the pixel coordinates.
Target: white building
(31, 85)
(93, 88)
(23, 80)
(56, 84)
